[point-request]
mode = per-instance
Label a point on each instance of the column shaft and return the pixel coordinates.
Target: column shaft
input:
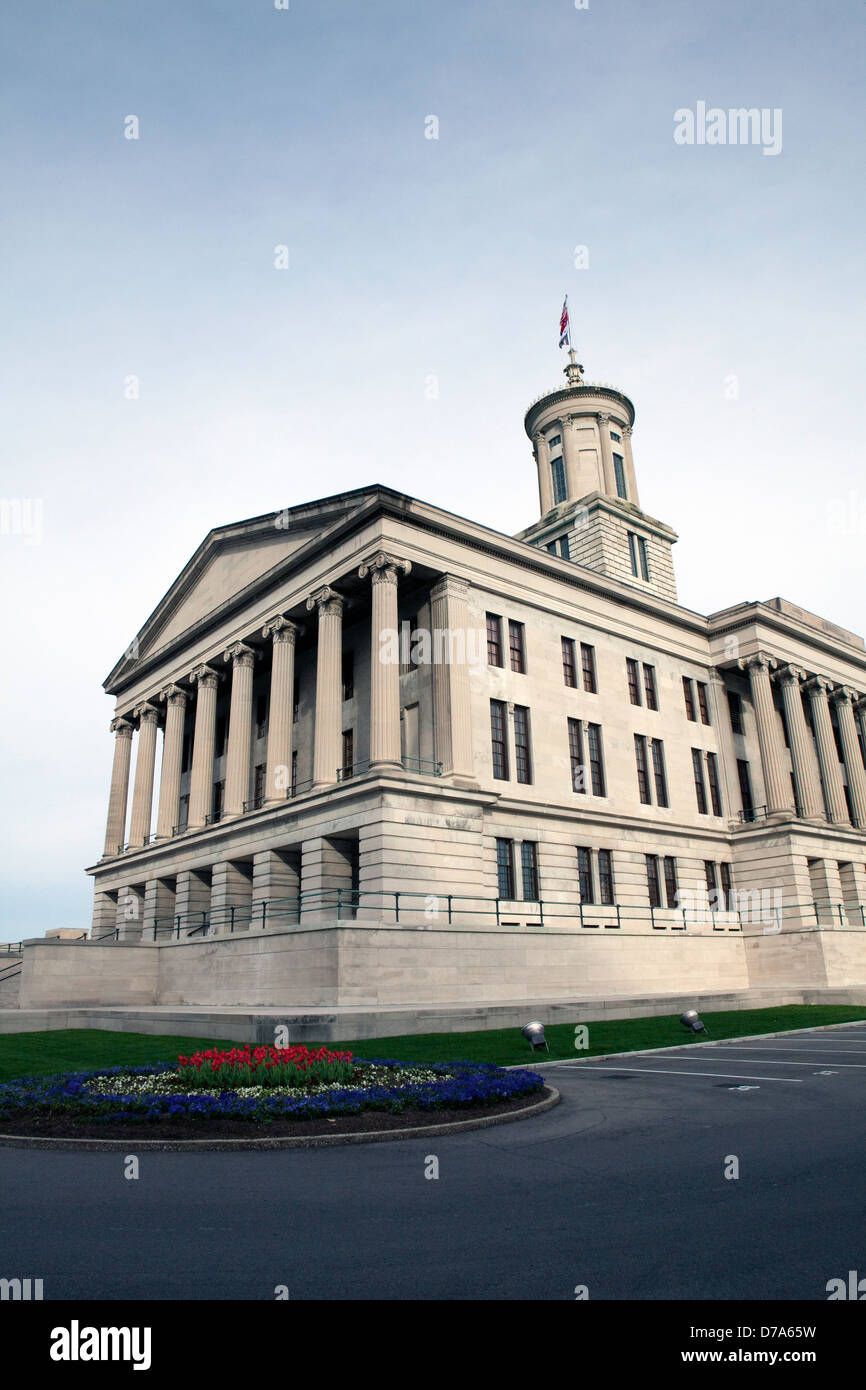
(240, 729)
(452, 722)
(569, 456)
(278, 778)
(777, 789)
(851, 754)
(201, 780)
(384, 672)
(606, 455)
(326, 749)
(831, 773)
(542, 460)
(172, 756)
(119, 793)
(145, 762)
(808, 794)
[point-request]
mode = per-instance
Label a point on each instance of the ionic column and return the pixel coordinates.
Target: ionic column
(384, 669)
(172, 757)
(240, 729)
(722, 726)
(631, 477)
(808, 794)
(118, 795)
(542, 461)
(606, 455)
(326, 749)
(278, 777)
(145, 762)
(844, 700)
(860, 716)
(452, 721)
(201, 778)
(776, 783)
(831, 773)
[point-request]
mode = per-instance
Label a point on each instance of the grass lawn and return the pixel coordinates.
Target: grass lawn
(40, 1054)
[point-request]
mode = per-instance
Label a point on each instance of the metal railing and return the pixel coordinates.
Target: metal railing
(10, 948)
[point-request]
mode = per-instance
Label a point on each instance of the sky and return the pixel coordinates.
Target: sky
(440, 176)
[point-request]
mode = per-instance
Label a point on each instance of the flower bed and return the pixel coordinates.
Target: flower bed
(163, 1093)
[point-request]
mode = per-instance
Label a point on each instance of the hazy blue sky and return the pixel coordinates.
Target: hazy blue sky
(409, 258)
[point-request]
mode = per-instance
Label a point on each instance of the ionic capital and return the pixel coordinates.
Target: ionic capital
(240, 655)
(174, 695)
(757, 662)
(627, 429)
(146, 714)
(205, 676)
(327, 600)
(281, 629)
(817, 686)
(121, 727)
(383, 568)
(790, 675)
(844, 695)
(602, 419)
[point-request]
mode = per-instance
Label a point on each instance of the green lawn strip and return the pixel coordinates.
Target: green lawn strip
(41, 1054)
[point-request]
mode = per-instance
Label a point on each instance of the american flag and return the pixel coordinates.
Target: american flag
(564, 326)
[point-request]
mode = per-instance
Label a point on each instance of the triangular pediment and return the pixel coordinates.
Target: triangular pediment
(233, 561)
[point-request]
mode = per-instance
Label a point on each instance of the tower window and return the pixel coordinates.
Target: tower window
(557, 469)
(617, 438)
(637, 553)
(619, 471)
(642, 556)
(554, 440)
(563, 548)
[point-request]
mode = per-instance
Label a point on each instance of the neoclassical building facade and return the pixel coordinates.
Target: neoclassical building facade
(494, 766)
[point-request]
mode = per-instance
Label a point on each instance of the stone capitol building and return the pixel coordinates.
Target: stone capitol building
(370, 754)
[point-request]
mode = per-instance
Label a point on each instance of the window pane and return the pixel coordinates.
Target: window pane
(702, 702)
(516, 647)
(499, 747)
(505, 869)
(557, 469)
(596, 765)
(564, 550)
(529, 865)
(713, 779)
(575, 748)
(644, 561)
(619, 471)
(494, 640)
(584, 871)
(658, 757)
(587, 661)
(605, 877)
(652, 879)
(700, 789)
(633, 682)
(522, 760)
(649, 680)
(642, 777)
(568, 669)
(632, 552)
(689, 698)
(671, 881)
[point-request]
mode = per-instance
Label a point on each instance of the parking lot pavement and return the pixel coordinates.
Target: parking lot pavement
(627, 1188)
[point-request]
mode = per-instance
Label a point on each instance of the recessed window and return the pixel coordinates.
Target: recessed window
(713, 780)
(554, 440)
(689, 697)
(617, 438)
(584, 874)
(220, 737)
(657, 750)
(703, 706)
(564, 551)
(637, 553)
(735, 706)
(505, 869)
(516, 647)
(557, 470)
(296, 700)
(551, 546)
(727, 887)
(348, 752)
(529, 870)
(643, 558)
(745, 781)
(261, 715)
(494, 640)
(640, 755)
(294, 772)
(575, 749)
(587, 663)
(671, 880)
(498, 742)
(700, 789)
(605, 877)
(652, 879)
(569, 671)
(633, 681)
(649, 681)
(619, 471)
(596, 761)
(522, 758)
(258, 784)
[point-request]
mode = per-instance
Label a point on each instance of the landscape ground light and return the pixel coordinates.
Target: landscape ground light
(534, 1034)
(691, 1021)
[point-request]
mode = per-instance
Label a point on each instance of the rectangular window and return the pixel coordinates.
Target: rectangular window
(649, 681)
(220, 737)
(348, 752)
(619, 471)
(652, 880)
(605, 877)
(642, 556)
(516, 647)
(735, 705)
(700, 789)
(564, 548)
(745, 785)
(671, 881)
(295, 772)
(505, 869)
(551, 546)
(261, 716)
(219, 794)
(587, 662)
(557, 469)
(713, 780)
(494, 640)
(296, 699)
(632, 552)
(596, 761)
(498, 741)
(633, 681)
(710, 875)
(348, 675)
(659, 775)
(727, 887)
(702, 702)
(259, 784)
(575, 748)
(617, 438)
(584, 873)
(529, 867)
(643, 785)
(689, 695)
(554, 440)
(522, 759)
(186, 757)
(568, 667)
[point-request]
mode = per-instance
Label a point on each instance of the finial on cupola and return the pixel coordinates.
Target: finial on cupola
(574, 370)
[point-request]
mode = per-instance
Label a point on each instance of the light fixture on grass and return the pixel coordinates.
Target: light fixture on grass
(534, 1034)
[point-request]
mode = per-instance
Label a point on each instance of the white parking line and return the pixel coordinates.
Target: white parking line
(754, 1047)
(771, 1062)
(724, 1075)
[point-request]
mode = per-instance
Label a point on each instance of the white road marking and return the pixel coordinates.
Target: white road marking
(723, 1075)
(771, 1062)
(758, 1047)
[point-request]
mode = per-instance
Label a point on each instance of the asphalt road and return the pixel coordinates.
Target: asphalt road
(621, 1188)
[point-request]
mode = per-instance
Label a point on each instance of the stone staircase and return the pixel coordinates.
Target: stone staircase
(10, 981)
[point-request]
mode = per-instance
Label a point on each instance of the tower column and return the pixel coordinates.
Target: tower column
(569, 457)
(326, 748)
(606, 455)
(844, 699)
(201, 778)
(119, 793)
(631, 476)
(808, 795)
(831, 775)
(542, 462)
(172, 756)
(384, 669)
(778, 793)
(278, 777)
(145, 762)
(452, 720)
